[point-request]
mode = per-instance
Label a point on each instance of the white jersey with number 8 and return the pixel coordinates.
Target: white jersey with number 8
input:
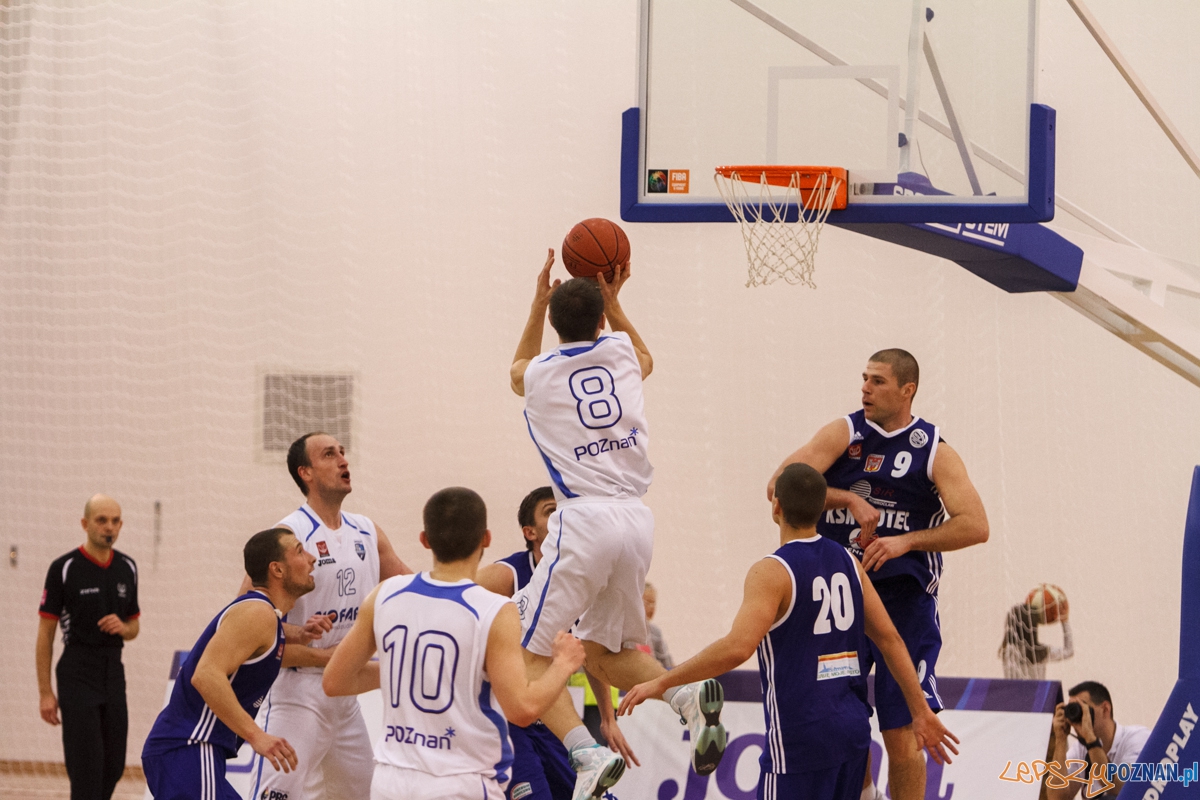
(439, 714)
(583, 404)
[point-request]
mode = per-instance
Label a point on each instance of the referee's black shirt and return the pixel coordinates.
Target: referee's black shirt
(80, 590)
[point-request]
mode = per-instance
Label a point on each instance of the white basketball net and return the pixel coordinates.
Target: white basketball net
(775, 247)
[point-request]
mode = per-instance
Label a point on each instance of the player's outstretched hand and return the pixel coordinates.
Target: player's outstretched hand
(276, 750)
(883, 549)
(610, 288)
(640, 694)
(616, 741)
(568, 650)
(934, 738)
(541, 295)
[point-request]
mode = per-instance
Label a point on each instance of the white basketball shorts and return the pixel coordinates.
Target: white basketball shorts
(398, 783)
(593, 569)
(328, 734)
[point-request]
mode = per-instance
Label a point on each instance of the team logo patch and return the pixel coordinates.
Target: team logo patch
(855, 451)
(361, 551)
(121, 590)
(918, 438)
(323, 549)
(874, 462)
(521, 790)
(279, 652)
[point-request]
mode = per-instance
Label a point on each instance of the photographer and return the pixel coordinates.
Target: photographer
(1084, 730)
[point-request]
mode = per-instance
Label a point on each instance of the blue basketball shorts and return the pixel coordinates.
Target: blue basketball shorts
(541, 769)
(191, 772)
(842, 782)
(914, 612)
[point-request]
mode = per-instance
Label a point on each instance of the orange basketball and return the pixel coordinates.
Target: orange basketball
(1048, 602)
(593, 246)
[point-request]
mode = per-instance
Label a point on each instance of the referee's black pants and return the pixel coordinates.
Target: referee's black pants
(95, 720)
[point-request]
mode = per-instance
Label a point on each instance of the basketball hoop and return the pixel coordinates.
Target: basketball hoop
(781, 211)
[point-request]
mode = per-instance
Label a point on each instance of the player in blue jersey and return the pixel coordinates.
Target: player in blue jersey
(808, 610)
(898, 498)
(541, 765)
(225, 678)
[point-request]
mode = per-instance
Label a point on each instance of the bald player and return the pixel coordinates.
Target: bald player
(92, 593)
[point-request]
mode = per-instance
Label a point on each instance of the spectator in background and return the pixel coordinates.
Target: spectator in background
(1096, 738)
(92, 592)
(657, 645)
(1023, 656)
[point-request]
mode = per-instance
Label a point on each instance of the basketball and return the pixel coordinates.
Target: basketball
(1048, 602)
(593, 246)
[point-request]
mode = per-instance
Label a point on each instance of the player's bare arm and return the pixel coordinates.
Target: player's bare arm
(390, 564)
(523, 700)
(530, 345)
(246, 632)
(44, 652)
(608, 719)
(819, 453)
(966, 526)
(618, 321)
(765, 598)
(350, 670)
(496, 578)
(931, 734)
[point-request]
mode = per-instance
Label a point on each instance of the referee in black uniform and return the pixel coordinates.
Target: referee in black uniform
(92, 592)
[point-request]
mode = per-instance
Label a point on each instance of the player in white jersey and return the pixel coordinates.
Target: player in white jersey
(353, 555)
(450, 664)
(584, 410)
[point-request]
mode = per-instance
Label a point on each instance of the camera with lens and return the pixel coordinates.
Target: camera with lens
(1073, 711)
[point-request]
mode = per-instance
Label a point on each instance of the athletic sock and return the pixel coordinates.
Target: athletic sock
(579, 736)
(869, 793)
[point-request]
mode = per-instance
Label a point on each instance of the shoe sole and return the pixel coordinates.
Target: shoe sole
(608, 778)
(709, 746)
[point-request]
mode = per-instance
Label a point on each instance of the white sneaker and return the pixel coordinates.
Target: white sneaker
(596, 769)
(699, 707)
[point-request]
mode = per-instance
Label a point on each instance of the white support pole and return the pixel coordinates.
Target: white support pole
(956, 125)
(912, 94)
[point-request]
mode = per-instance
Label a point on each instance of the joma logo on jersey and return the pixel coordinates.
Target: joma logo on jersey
(606, 445)
(343, 615)
(401, 734)
(874, 462)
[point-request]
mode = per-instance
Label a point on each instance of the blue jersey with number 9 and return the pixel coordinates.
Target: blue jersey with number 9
(893, 472)
(583, 405)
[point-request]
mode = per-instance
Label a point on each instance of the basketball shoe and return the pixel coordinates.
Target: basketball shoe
(699, 707)
(596, 769)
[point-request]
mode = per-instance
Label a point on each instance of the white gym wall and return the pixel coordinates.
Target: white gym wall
(194, 193)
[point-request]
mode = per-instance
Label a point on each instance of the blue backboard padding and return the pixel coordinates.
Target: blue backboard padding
(1013, 256)
(1039, 208)
(1175, 723)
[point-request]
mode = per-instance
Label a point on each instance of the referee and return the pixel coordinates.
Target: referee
(92, 592)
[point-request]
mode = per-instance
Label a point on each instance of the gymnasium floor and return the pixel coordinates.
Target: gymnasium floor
(56, 787)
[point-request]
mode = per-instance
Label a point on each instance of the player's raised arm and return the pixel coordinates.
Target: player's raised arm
(967, 525)
(617, 319)
(524, 701)
(765, 596)
(931, 734)
(247, 632)
(531, 338)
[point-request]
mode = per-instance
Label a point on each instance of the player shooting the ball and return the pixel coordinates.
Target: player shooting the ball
(584, 411)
